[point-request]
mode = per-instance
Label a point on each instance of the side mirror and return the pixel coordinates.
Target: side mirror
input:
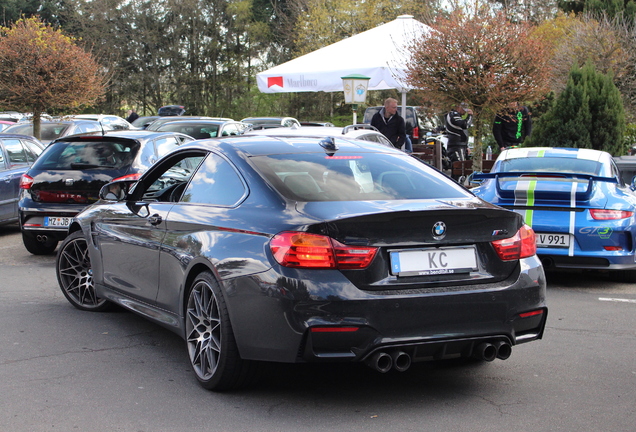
(116, 191)
(633, 185)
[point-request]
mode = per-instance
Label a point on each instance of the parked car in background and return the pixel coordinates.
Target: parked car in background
(70, 172)
(270, 122)
(361, 132)
(301, 249)
(582, 212)
(5, 124)
(413, 122)
(17, 154)
(627, 166)
(171, 110)
(50, 131)
(112, 121)
(201, 129)
(143, 121)
(156, 124)
(12, 116)
(316, 123)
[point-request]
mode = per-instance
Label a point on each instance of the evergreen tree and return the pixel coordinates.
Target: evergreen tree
(587, 114)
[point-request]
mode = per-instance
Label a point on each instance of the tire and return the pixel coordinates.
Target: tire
(75, 276)
(212, 349)
(38, 247)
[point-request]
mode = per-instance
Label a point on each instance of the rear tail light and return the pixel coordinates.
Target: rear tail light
(521, 245)
(26, 181)
(416, 133)
(304, 250)
(602, 214)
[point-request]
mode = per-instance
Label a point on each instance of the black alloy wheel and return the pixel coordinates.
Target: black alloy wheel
(75, 274)
(210, 341)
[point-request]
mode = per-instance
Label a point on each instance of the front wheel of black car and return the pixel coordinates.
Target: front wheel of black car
(38, 246)
(210, 340)
(75, 274)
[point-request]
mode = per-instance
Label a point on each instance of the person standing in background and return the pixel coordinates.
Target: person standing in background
(512, 126)
(390, 123)
(132, 116)
(457, 122)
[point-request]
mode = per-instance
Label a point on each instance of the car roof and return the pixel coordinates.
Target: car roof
(200, 121)
(261, 145)
(558, 152)
(316, 131)
(132, 134)
(21, 136)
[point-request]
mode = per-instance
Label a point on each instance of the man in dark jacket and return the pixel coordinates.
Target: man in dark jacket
(390, 123)
(511, 127)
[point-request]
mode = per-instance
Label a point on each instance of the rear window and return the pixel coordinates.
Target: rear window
(551, 164)
(355, 177)
(193, 130)
(79, 155)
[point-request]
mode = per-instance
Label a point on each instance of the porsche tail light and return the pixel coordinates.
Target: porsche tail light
(603, 214)
(522, 245)
(304, 250)
(26, 181)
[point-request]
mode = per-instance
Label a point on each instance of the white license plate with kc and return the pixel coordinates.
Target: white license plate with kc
(553, 240)
(426, 262)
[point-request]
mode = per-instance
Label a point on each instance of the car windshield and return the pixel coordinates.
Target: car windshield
(87, 154)
(354, 177)
(551, 164)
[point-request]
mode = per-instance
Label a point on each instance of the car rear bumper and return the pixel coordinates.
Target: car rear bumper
(33, 218)
(337, 322)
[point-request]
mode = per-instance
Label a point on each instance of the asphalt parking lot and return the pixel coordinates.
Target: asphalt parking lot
(63, 369)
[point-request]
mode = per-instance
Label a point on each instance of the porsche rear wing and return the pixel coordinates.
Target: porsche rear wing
(551, 194)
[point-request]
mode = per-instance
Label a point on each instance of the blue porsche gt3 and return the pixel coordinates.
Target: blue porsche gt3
(574, 199)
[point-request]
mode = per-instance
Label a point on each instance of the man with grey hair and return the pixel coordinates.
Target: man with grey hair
(390, 123)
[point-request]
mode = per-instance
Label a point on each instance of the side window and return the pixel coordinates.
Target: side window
(15, 151)
(31, 150)
(216, 183)
(1, 158)
(165, 145)
(230, 129)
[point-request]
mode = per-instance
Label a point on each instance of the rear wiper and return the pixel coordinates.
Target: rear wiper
(89, 166)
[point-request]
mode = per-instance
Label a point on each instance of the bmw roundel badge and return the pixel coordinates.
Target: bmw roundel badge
(439, 230)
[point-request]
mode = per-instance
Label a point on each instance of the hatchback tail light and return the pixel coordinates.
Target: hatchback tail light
(416, 132)
(603, 214)
(522, 245)
(304, 250)
(26, 181)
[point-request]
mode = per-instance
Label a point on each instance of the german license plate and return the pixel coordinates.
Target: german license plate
(426, 262)
(553, 240)
(57, 221)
